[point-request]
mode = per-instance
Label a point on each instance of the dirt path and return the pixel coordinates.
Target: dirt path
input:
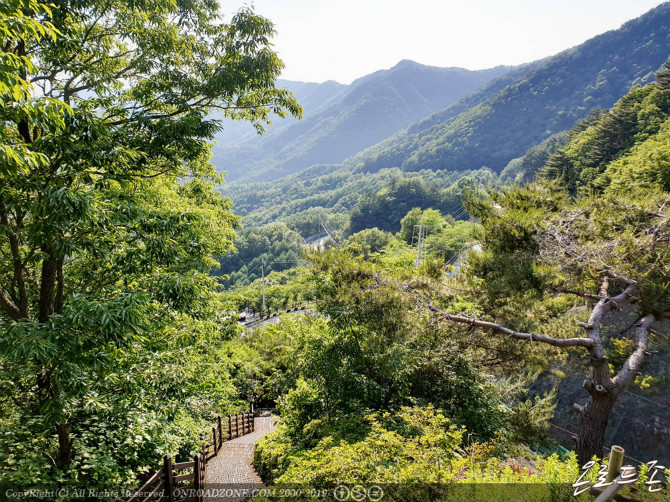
(229, 475)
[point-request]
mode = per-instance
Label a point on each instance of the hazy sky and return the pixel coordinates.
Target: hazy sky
(342, 40)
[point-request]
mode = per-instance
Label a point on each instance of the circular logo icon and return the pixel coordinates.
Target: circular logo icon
(375, 493)
(358, 493)
(341, 493)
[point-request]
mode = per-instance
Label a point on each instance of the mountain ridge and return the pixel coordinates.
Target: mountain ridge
(553, 95)
(372, 108)
(329, 188)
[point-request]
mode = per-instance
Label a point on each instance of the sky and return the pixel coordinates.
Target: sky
(342, 40)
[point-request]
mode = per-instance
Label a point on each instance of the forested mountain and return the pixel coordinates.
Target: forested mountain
(302, 198)
(491, 127)
(312, 97)
(339, 123)
(548, 99)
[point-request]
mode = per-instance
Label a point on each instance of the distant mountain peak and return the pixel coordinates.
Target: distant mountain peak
(529, 104)
(341, 120)
(404, 63)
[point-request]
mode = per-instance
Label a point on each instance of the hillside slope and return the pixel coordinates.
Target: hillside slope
(371, 108)
(490, 127)
(548, 99)
(311, 96)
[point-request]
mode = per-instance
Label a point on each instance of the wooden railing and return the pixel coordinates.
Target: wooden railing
(226, 428)
(184, 481)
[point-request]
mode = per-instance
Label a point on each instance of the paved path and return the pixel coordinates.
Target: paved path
(229, 475)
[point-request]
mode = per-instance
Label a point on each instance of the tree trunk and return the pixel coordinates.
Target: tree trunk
(46, 385)
(64, 446)
(595, 417)
(47, 285)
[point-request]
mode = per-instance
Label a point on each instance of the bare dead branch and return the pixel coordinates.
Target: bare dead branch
(657, 333)
(588, 296)
(556, 342)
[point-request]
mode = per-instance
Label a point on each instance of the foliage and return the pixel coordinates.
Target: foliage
(376, 352)
(421, 442)
(623, 147)
(123, 425)
(416, 454)
(311, 221)
(328, 191)
(539, 243)
(274, 244)
(432, 219)
(585, 218)
(523, 169)
(618, 165)
(283, 290)
(442, 236)
(367, 242)
(386, 208)
(110, 328)
(449, 243)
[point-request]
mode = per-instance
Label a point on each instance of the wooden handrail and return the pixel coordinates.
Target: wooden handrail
(182, 465)
(165, 478)
(146, 485)
(184, 477)
(155, 493)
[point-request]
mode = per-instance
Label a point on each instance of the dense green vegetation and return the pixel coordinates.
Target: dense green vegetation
(113, 341)
(385, 209)
(344, 204)
(622, 148)
(276, 244)
(118, 345)
(332, 192)
(382, 382)
(524, 168)
(510, 126)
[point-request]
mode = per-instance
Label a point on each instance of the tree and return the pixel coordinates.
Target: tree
(603, 389)
(369, 241)
(539, 243)
(108, 215)
(280, 247)
(431, 219)
(385, 208)
(598, 215)
(379, 351)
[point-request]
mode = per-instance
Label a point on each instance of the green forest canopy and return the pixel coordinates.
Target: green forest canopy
(108, 227)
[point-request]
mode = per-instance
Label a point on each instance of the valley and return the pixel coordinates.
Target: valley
(427, 283)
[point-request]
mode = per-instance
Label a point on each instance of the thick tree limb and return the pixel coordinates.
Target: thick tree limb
(556, 342)
(654, 332)
(635, 360)
(601, 374)
(47, 284)
(579, 408)
(18, 280)
(588, 296)
(8, 307)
